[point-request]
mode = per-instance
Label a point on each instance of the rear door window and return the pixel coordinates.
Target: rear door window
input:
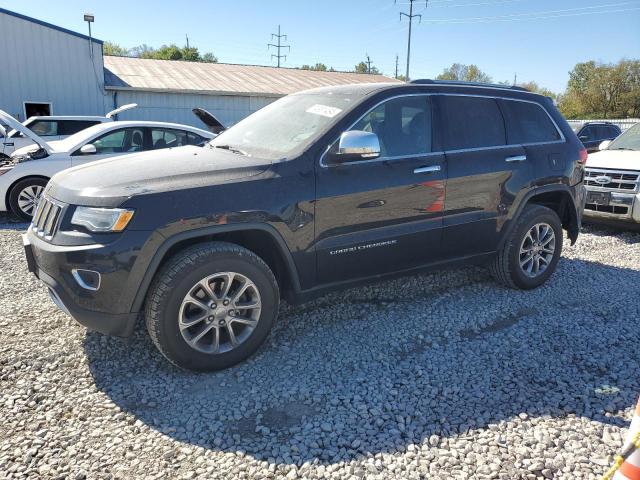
(471, 122)
(168, 138)
(124, 140)
(528, 123)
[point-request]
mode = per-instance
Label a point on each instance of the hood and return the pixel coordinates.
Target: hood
(121, 109)
(109, 182)
(213, 124)
(615, 159)
(15, 125)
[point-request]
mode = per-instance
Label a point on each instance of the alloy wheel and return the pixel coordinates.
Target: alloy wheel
(219, 312)
(28, 199)
(537, 249)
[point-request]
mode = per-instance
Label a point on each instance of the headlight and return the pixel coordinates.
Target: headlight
(102, 219)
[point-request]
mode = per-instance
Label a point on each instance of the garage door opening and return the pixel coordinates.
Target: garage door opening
(37, 109)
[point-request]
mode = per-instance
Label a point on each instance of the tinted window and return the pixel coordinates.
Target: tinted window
(403, 126)
(121, 141)
(528, 123)
(471, 122)
(194, 139)
(612, 132)
(587, 133)
(167, 138)
(44, 128)
(69, 127)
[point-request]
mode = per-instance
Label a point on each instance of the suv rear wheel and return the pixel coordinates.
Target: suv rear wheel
(211, 306)
(532, 250)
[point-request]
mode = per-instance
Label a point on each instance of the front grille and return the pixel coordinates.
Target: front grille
(45, 221)
(619, 180)
(614, 209)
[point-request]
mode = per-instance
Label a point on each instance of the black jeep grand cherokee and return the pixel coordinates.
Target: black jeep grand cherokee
(317, 191)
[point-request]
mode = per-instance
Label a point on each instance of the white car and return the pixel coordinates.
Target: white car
(612, 179)
(52, 128)
(24, 175)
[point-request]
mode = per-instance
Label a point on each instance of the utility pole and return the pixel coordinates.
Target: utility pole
(368, 62)
(187, 40)
(396, 65)
(515, 78)
(411, 16)
(279, 45)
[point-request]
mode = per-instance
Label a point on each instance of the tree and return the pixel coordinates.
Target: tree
(465, 73)
(599, 90)
(165, 52)
(115, 50)
(362, 67)
(534, 87)
(318, 67)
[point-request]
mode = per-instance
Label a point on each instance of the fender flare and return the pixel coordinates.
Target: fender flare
(160, 254)
(573, 213)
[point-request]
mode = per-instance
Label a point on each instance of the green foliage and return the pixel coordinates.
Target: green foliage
(402, 78)
(465, 73)
(534, 87)
(362, 68)
(165, 52)
(318, 67)
(113, 49)
(601, 90)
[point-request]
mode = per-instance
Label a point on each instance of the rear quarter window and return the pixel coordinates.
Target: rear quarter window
(528, 123)
(471, 122)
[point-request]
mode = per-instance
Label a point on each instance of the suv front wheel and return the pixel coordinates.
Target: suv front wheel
(211, 306)
(531, 251)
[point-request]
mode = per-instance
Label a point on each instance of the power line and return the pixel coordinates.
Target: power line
(567, 12)
(279, 46)
(411, 16)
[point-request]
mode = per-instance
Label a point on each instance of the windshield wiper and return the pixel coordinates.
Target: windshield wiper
(622, 148)
(231, 149)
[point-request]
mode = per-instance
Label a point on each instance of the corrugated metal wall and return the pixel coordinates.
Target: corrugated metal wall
(41, 64)
(176, 107)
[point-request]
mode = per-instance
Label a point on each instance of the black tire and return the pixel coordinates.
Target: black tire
(14, 193)
(506, 268)
(176, 279)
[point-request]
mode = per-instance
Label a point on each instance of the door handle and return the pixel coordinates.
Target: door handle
(429, 169)
(516, 158)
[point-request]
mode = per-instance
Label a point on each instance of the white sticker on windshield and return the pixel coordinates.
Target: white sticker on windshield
(324, 110)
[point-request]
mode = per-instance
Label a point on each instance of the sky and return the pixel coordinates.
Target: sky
(537, 40)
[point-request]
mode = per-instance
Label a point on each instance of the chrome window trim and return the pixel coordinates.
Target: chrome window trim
(461, 150)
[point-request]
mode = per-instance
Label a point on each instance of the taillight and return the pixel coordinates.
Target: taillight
(583, 156)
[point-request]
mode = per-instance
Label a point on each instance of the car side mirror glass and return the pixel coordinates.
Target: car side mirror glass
(88, 149)
(357, 145)
(604, 145)
(584, 138)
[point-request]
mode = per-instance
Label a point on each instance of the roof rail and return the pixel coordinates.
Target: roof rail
(428, 81)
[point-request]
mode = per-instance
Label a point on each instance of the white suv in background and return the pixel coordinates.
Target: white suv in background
(24, 175)
(612, 179)
(52, 128)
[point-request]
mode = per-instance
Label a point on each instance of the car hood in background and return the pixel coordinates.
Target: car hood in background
(15, 125)
(615, 159)
(108, 183)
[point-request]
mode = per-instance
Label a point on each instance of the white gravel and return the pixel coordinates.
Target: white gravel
(445, 375)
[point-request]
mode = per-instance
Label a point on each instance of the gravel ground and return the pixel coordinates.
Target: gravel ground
(444, 375)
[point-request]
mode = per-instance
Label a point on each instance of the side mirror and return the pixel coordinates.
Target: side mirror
(357, 144)
(583, 138)
(604, 145)
(88, 149)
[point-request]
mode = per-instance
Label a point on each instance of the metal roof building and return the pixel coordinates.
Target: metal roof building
(169, 89)
(48, 69)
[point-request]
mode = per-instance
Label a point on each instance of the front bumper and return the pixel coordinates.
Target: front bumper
(107, 309)
(617, 206)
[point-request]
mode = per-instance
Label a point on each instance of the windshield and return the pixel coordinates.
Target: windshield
(629, 140)
(284, 127)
